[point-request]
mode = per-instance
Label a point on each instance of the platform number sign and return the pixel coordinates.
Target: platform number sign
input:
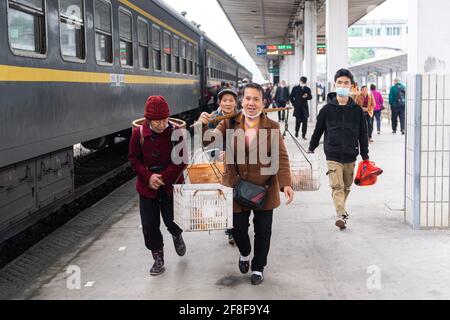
(261, 50)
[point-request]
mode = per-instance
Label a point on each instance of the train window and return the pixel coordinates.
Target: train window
(126, 38)
(103, 31)
(26, 26)
(156, 37)
(190, 70)
(143, 44)
(176, 53)
(183, 57)
(168, 51)
(71, 15)
(195, 60)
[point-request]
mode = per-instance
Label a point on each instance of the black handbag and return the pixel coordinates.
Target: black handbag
(248, 194)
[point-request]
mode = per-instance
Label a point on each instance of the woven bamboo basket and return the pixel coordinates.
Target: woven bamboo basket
(202, 173)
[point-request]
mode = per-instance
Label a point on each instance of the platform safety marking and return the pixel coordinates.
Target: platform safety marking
(89, 284)
(122, 248)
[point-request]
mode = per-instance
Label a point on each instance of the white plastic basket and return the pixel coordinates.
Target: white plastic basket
(305, 172)
(203, 207)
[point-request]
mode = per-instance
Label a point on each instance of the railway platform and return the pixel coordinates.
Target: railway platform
(100, 254)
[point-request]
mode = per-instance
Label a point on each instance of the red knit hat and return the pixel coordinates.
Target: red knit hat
(156, 108)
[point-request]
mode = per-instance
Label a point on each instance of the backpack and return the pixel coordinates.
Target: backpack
(141, 134)
(401, 96)
(155, 169)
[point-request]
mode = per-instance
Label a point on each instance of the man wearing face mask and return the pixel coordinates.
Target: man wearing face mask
(345, 128)
(299, 98)
(281, 99)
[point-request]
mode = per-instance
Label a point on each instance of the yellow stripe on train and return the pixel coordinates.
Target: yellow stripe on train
(27, 74)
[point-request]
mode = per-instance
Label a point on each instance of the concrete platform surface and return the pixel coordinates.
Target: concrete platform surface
(378, 257)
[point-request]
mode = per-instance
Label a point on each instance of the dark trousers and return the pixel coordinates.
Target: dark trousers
(398, 112)
(262, 223)
(301, 121)
(369, 120)
(151, 210)
(378, 118)
(281, 114)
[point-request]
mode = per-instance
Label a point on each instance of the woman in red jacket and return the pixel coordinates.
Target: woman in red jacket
(150, 156)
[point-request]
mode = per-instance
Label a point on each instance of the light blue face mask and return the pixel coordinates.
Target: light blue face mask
(343, 92)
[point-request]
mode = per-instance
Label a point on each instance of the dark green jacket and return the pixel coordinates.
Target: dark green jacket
(393, 94)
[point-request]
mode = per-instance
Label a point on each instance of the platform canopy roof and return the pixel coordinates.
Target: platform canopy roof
(273, 21)
(396, 62)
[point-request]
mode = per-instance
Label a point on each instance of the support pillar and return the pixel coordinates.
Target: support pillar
(299, 53)
(336, 37)
(292, 77)
(427, 160)
(310, 67)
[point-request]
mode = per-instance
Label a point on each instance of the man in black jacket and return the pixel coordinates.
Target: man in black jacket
(281, 98)
(345, 128)
(299, 98)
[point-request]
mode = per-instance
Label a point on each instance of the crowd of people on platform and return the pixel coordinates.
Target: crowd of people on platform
(345, 120)
(368, 97)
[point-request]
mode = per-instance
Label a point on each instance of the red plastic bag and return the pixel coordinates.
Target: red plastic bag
(367, 173)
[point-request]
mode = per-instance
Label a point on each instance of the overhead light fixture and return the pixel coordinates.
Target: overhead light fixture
(269, 37)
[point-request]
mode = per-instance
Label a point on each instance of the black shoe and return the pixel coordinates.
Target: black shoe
(229, 233)
(231, 240)
(244, 266)
(180, 246)
(394, 131)
(304, 138)
(257, 279)
(403, 132)
(158, 266)
(296, 134)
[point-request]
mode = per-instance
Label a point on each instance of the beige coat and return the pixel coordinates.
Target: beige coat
(251, 172)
